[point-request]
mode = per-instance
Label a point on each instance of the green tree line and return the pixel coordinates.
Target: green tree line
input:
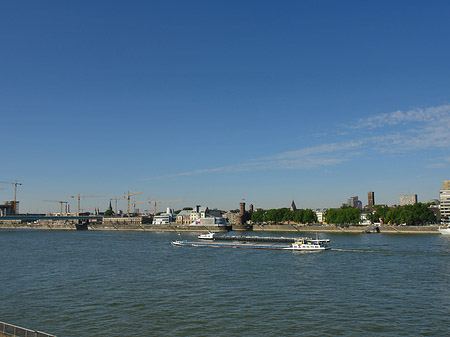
(412, 215)
(284, 215)
(343, 215)
(417, 214)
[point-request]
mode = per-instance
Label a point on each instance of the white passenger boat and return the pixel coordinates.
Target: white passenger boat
(444, 230)
(207, 236)
(311, 244)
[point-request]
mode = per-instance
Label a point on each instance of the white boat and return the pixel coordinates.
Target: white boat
(207, 236)
(311, 244)
(444, 230)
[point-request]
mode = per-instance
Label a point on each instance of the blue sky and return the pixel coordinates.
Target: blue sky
(213, 102)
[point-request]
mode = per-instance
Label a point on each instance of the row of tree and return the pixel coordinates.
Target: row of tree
(343, 215)
(412, 215)
(284, 215)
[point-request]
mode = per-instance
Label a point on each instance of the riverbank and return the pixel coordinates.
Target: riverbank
(432, 229)
(55, 225)
(173, 227)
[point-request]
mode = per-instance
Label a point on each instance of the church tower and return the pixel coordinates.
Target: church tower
(293, 207)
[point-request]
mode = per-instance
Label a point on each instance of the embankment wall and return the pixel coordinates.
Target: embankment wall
(173, 227)
(350, 229)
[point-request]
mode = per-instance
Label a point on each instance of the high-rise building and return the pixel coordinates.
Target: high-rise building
(353, 202)
(444, 199)
(407, 199)
(370, 199)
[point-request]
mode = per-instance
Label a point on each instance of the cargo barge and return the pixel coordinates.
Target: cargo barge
(299, 245)
(253, 238)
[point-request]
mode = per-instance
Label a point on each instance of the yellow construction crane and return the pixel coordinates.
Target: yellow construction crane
(136, 203)
(15, 192)
(60, 201)
(83, 196)
(116, 199)
(127, 196)
(154, 202)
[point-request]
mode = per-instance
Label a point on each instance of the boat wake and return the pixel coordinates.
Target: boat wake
(362, 250)
(389, 252)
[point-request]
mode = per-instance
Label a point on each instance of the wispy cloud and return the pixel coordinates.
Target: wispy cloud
(444, 163)
(422, 129)
(416, 129)
(428, 115)
(305, 158)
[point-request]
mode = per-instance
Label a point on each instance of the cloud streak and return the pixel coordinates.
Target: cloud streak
(416, 129)
(306, 158)
(428, 115)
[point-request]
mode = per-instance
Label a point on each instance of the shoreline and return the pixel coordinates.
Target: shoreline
(431, 229)
(173, 227)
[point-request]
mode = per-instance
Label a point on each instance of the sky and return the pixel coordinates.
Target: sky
(216, 102)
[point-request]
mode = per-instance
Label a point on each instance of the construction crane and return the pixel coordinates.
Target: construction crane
(154, 202)
(127, 196)
(83, 196)
(60, 201)
(134, 205)
(15, 192)
(116, 199)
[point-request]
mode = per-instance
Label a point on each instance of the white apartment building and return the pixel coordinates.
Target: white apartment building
(407, 199)
(444, 199)
(320, 213)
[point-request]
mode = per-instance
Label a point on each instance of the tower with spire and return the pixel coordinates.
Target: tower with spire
(293, 207)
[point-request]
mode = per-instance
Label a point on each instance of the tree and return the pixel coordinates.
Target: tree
(309, 216)
(343, 215)
(380, 214)
(109, 212)
(258, 216)
(284, 215)
(417, 214)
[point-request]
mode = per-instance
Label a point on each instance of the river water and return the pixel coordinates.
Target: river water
(96, 283)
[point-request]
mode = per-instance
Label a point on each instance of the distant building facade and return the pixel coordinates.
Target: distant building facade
(370, 199)
(446, 184)
(231, 216)
(9, 208)
(444, 199)
(320, 213)
(407, 199)
(354, 202)
(164, 218)
(184, 217)
(126, 220)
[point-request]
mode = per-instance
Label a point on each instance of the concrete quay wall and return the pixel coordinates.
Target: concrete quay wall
(173, 227)
(41, 225)
(432, 229)
(55, 225)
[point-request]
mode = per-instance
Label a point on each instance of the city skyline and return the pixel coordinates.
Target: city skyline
(214, 103)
